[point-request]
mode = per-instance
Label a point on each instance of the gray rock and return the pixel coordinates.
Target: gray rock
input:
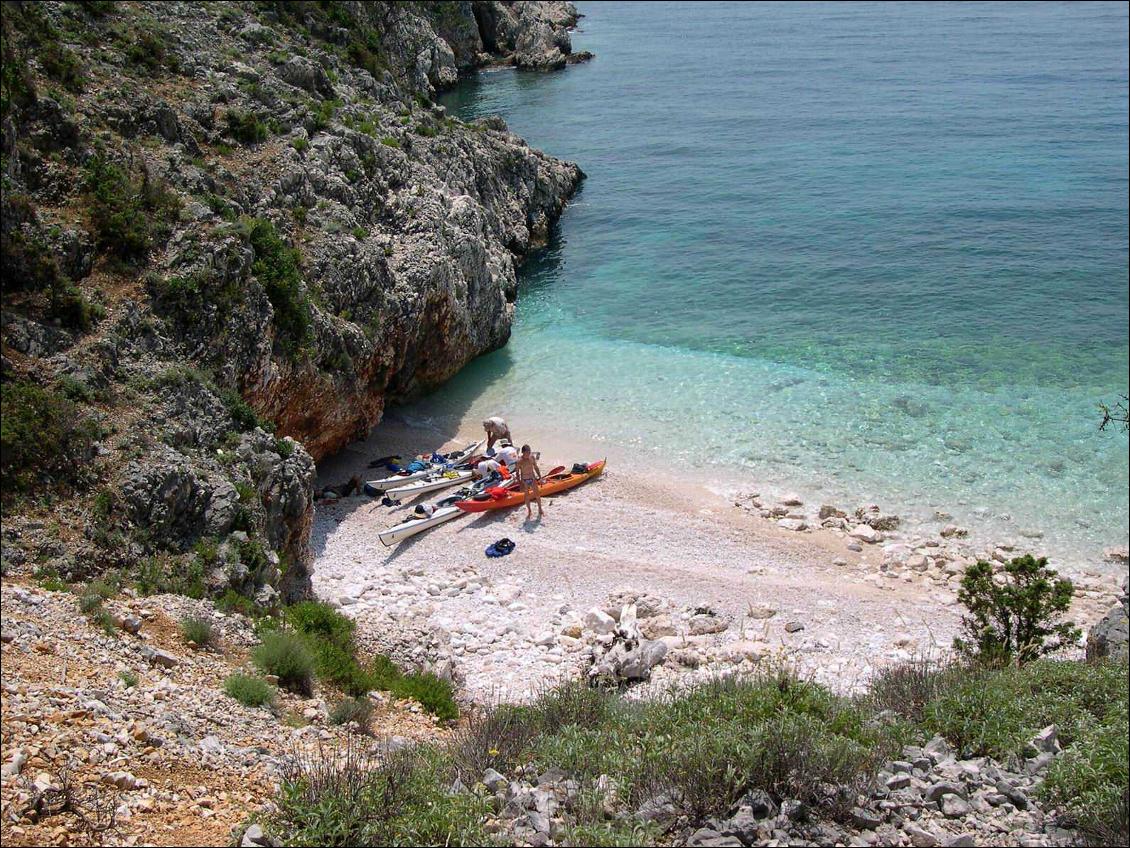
(919, 836)
(963, 840)
(1111, 636)
(254, 837)
(494, 781)
(898, 781)
(538, 820)
(942, 788)
(657, 809)
(794, 627)
(865, 819)
(1046, 741)
(155, 656)
(305, 74)
(760, 804)
(954, 806)
(15, 765)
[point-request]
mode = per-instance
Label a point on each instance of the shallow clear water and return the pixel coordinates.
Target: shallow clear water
(878, 251)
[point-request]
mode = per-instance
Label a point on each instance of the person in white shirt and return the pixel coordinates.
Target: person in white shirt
(496, 430)
(486, 468)
(507, 454)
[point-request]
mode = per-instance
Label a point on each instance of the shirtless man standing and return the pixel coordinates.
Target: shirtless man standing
(528, 474)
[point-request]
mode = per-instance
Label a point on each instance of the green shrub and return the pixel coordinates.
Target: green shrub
(168, 574)
(104, 588)
(276, 268)
(358, 710)
(906, 688)
(74, 389)
(245, 127)
(233, 601)
(129, 214)
(433, 693)
(146, 50)
(322, 115)
(330, 637)
(199, 631)
(389, 141)
(315, 618)
(242, 413)
(45, 440)
(341, 797)
(63, 64)
(993, 712)
(89, 602)
(1014, 618)
(286, 655)
(129, 678)
(248, 690)
(706, 746)
(1090, 778)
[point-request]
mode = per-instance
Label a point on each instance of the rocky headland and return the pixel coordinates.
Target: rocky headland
(232, 234)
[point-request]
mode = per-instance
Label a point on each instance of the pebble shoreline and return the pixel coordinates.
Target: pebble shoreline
(835, 593)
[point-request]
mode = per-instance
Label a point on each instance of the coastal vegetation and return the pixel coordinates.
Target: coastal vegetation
(691, 756)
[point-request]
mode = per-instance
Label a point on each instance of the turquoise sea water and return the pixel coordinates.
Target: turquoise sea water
(876, 251)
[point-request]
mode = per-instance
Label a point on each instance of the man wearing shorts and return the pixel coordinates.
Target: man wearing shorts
(528, 474)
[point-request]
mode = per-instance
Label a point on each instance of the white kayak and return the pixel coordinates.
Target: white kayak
(444, 511)
(432, 483)
(374, 487)
(405, 529)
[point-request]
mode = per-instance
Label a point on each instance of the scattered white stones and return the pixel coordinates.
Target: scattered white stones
(866, 533)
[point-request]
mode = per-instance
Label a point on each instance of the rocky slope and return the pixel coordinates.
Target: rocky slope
(232, 233)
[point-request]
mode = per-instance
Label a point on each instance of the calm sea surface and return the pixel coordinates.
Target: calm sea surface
(871, 252)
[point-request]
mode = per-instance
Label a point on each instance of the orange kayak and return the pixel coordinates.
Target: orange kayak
(551, 484)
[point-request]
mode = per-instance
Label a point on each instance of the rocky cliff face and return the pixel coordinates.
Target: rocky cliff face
(232, 233)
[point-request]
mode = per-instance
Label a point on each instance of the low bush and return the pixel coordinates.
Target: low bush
(906, 688)
(321, 621)
(88, 602)
(433, 693)
(358, 710)
(45, 439)
(130, 214)
(276, 268)
(994, 712)
(171, 574)
(146, 49)
(286, 655)
(248, 690)
(1091, 777)
(198, 631)
(63, 64)
(129, 678)
(242, 414)
(233, 601)
(245, 127)
(342, 797)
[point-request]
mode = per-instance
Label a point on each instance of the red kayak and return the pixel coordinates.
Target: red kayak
(550, 484)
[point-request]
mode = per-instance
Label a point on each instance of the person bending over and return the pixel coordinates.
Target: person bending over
(528, 474)
(496, 429)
